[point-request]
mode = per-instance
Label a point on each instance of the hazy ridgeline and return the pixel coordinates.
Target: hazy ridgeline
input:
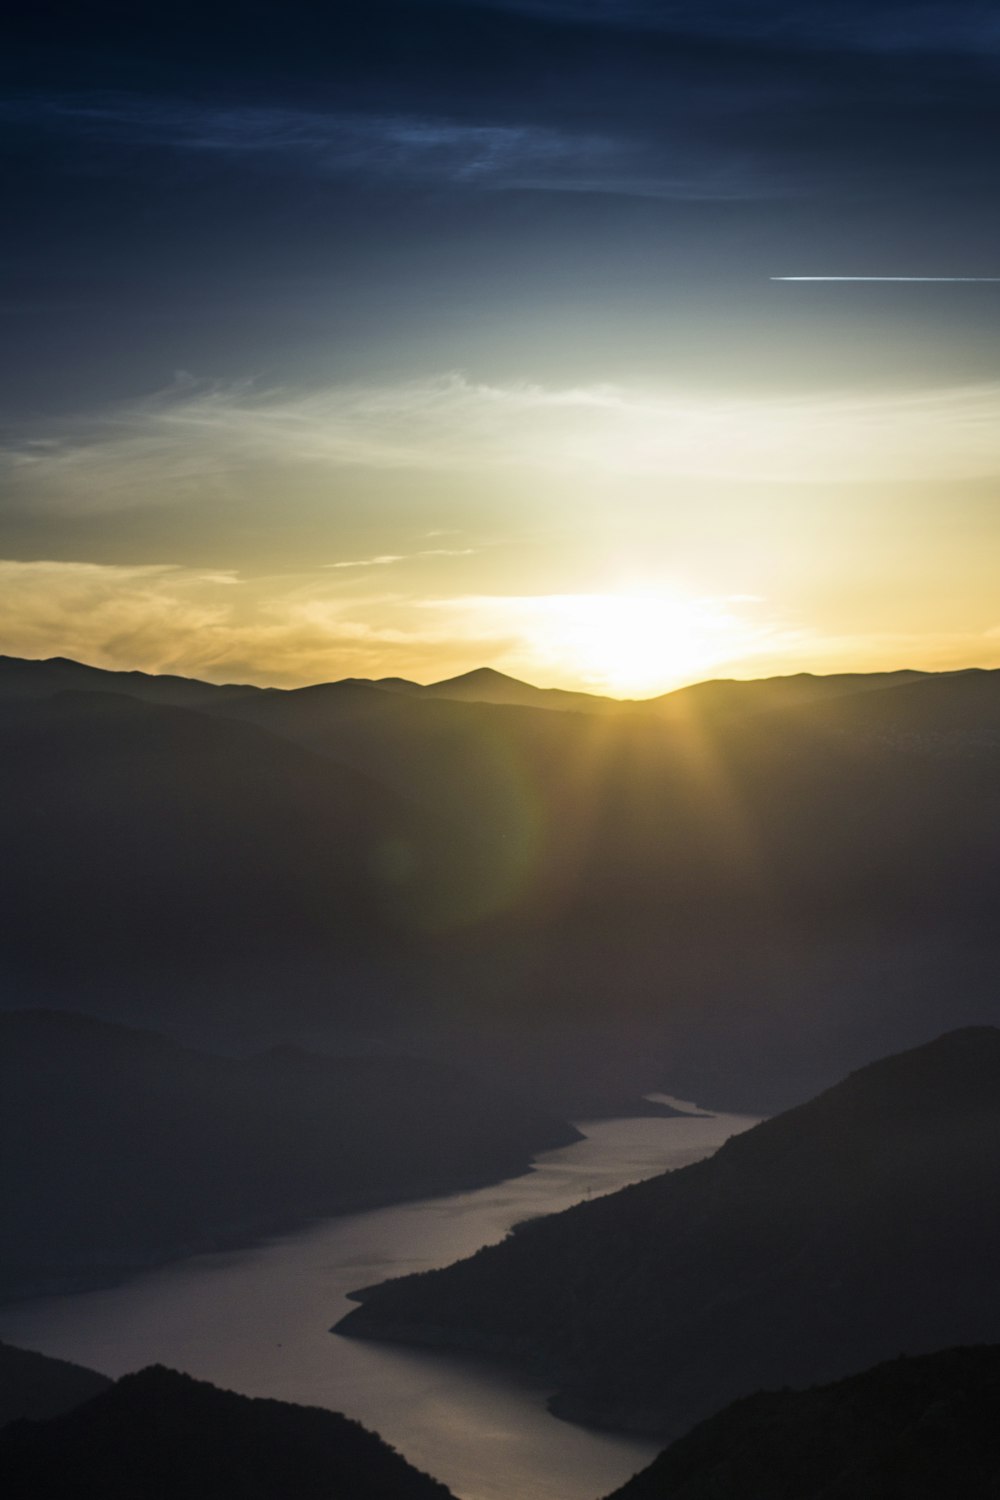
(121, 1149)
(736, 891)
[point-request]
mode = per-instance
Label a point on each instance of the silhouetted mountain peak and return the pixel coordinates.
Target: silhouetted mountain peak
(480, 677)
(487, 685)
(158, 1378)
(160, 1432)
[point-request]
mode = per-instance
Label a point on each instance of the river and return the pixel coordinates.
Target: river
(258, 1321)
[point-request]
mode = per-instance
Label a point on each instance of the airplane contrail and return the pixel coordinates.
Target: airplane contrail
(886, 278)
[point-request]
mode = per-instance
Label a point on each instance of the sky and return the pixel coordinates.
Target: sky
(402, 338)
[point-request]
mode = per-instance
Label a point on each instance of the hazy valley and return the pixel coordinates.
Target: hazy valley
(588, 905)
(370, 943)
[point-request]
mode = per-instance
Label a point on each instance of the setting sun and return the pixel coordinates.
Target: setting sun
(632, 643)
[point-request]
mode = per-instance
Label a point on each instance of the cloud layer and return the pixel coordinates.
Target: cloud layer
(197, 441)
(110, 133)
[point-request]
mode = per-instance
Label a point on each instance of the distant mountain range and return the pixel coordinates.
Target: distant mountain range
(594, 902)
(22, 677)
(121, 1149)
(863, 1224)
(164, 1436)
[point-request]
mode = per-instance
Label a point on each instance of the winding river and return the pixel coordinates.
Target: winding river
(257, 1321)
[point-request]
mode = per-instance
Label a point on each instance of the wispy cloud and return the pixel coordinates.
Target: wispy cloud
(382, 561)
(483, 154)
(161, 618)
(386, 558)
(153, 616)
(196, 441)
(336, 141)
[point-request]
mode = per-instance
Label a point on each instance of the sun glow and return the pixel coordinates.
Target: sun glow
(635, 643)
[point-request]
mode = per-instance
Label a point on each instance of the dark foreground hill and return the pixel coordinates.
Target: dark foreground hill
(856, 1227)
(912, 1429)
(34, 1386)
(120, 1148)
(164, 1436)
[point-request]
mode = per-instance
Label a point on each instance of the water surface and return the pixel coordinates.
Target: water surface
(257, 1321)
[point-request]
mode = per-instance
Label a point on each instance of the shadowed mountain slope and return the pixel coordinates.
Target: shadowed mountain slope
(723, 700)
(165, 1436)
(934, 714)
(835, 863)
(33, 1386)
(861, 1225)
(130, 828)
(886, 800)
(912, 1429)
(732, 902)
(121, 1148)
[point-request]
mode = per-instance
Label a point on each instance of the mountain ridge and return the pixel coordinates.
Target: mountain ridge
(125, 1148)
(913, 1428)
(35, 1386)
(167, 1436)
(18, 672)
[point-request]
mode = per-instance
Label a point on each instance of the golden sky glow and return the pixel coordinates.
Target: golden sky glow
(388, 349)
(628, 644)
(621, 539)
